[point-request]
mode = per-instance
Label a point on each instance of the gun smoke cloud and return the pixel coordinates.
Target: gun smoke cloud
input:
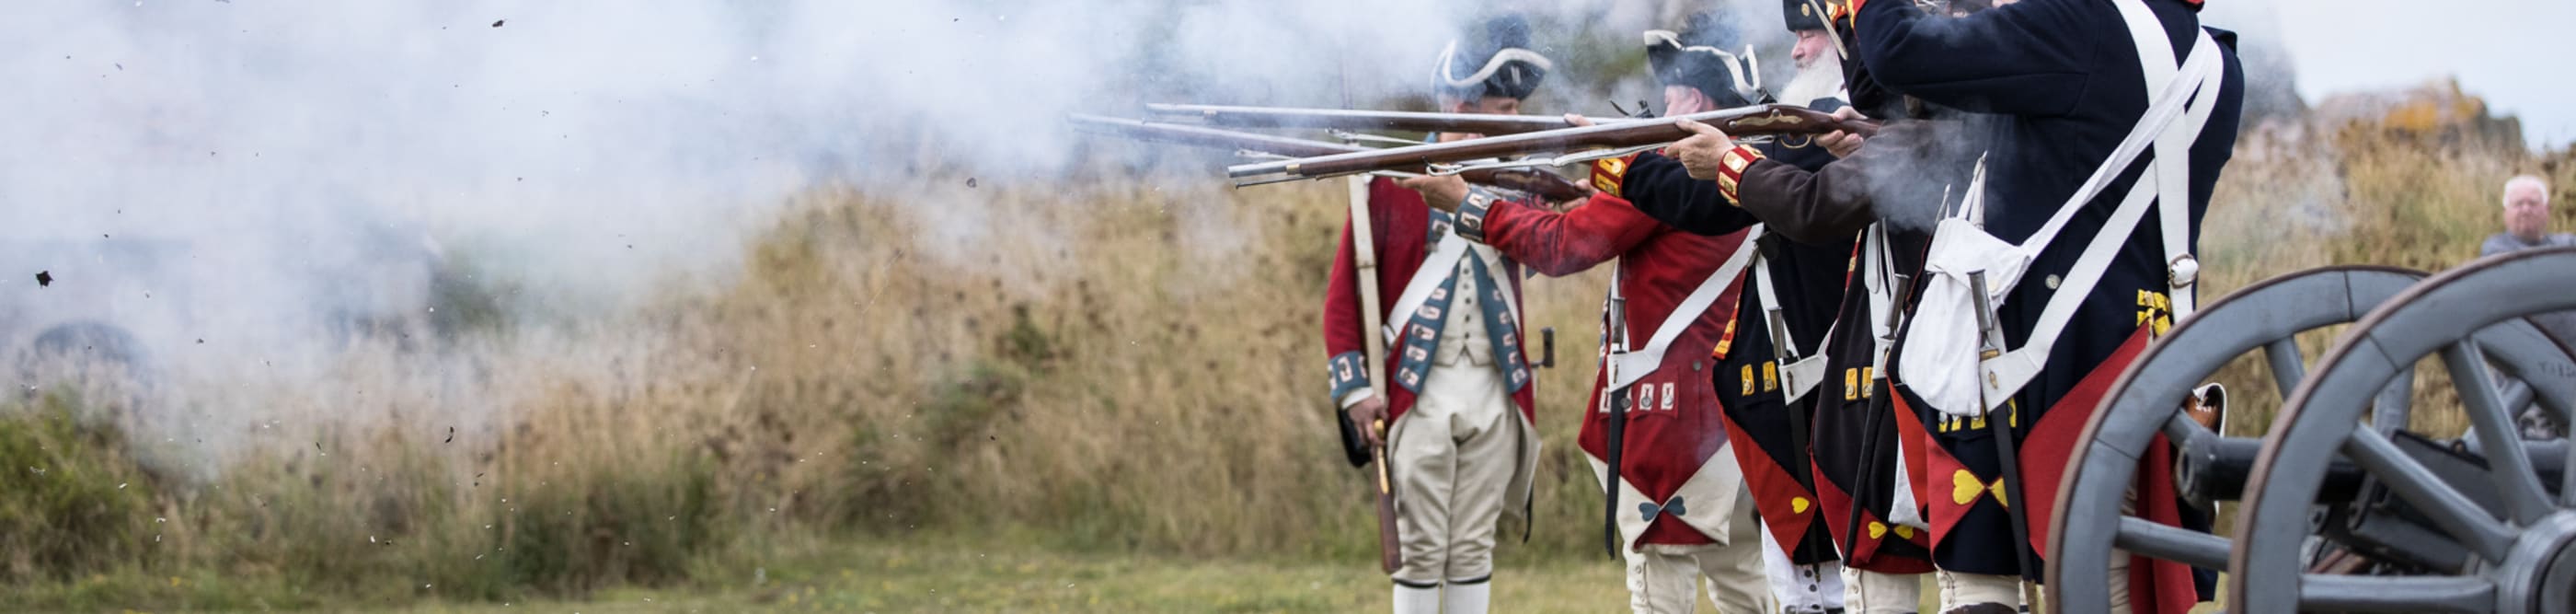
(237, 184)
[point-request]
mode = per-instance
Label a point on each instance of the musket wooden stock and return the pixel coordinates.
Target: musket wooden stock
(1761, 120)
(1547, 185)
(1390, 546)
(1351, 119)
(1551, 186)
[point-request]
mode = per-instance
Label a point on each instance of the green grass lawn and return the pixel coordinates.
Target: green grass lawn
(881, 576)
(982, 574)
(884, 576)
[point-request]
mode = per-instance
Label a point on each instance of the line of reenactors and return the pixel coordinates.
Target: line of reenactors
(1846, 363)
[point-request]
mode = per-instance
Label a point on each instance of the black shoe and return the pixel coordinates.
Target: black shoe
(1983, 608)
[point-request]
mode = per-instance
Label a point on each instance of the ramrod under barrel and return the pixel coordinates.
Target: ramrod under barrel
(1550, 186)
(1759, 120)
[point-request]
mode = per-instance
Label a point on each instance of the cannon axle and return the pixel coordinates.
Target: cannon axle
(2210, 469)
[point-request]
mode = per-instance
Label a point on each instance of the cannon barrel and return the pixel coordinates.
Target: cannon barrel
(2210, 469)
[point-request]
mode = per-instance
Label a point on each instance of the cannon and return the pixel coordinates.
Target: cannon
(2344, 505)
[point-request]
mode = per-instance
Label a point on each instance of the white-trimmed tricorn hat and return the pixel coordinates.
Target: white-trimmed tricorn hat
(1699, 57)
(1493, 60)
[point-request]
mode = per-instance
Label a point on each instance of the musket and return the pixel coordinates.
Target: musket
(1991, 343)
(1784, 353)
(1900, 289)
(1757, 120)
(1390, 546)
(1352, 119)
(1617, 325)
(1546, 184)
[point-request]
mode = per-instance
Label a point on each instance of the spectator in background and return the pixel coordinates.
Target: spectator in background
(2526, 219)
(2526, 226)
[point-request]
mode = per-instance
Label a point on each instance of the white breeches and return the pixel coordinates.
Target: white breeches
(1664, 579)
(1453, 456)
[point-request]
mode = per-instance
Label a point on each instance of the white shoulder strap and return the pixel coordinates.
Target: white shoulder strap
(2169, 104)
(2173, 172)
(1435, 270)
(1637, 364)
(2191, 94)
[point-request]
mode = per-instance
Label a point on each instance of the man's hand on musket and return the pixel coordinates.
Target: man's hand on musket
(1444, 192)
(1842, 144)
(1568, 205)
(1366, 414)
(1700, 153)
(1440, 191)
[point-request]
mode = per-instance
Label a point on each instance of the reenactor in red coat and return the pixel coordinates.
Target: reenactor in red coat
(1455, 393)
(1682, 509)
(1853, 441)
(1774, 359)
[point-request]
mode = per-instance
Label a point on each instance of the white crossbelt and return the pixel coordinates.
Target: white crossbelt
(2166, 186)
(1945, 336)
(1434, 273)
(1800, 376)
(1633, 365)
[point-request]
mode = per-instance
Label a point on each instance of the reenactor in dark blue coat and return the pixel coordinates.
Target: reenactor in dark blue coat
(1859, 493)
(1769, 361)
(2069, 81)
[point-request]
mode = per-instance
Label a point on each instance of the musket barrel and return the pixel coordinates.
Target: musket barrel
(1565, 140)
(1208, 137)
(1543, 183)
(1754, 120)
(1352, 119)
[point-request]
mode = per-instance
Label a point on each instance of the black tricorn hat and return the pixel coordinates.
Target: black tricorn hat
(1494, 59)
(1699, 57)
(1806, 14)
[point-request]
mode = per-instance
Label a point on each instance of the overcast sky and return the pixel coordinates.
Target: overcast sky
(2514, 53)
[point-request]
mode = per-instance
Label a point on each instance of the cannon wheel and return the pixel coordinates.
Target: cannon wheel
(2522, 554)
(2266, 316)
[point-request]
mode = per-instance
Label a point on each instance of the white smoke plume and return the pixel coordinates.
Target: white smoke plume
(235, 183)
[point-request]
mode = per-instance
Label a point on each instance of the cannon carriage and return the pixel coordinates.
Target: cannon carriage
(2345, 503)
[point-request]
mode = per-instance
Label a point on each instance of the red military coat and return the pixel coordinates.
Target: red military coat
(1401, 229)
(1675, 457)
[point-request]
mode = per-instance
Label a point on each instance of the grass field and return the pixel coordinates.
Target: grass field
(942, 575)
(984, 574)
(999, 397)
(954, 574)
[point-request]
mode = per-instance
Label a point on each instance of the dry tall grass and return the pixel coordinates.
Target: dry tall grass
(2393, 193)
(1131, 363)
(1113, 374)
